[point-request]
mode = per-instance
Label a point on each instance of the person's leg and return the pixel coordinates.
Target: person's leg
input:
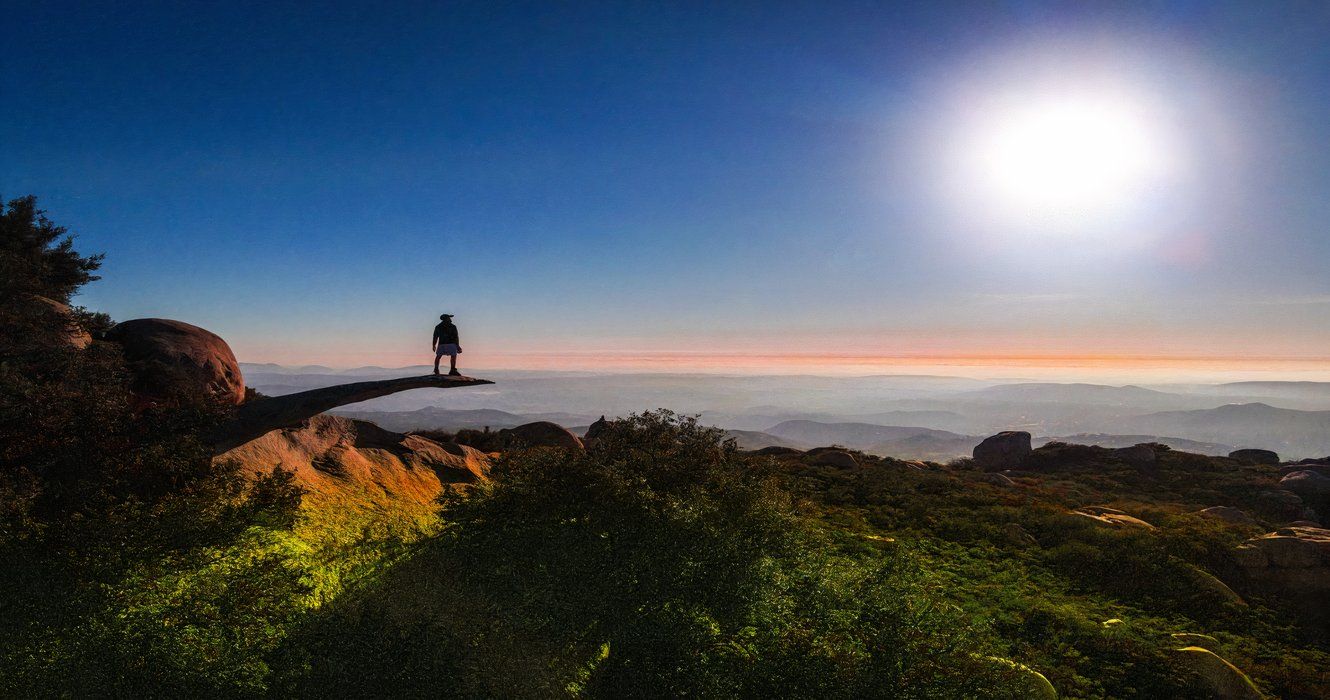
(452, 362)
(437, 357)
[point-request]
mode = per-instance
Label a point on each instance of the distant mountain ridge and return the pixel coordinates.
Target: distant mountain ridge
(1050, 392)
(1301, 390)
(907, 442)
(1291, 432)
(856, 435)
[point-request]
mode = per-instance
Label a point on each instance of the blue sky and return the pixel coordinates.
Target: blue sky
(316, 182)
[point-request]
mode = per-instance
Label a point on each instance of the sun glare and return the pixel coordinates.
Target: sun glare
(1062, 162)
(1067, 156)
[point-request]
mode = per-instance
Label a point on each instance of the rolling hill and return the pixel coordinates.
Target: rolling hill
(434, 418)
(1292, 433)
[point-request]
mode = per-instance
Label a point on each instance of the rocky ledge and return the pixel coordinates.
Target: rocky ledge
(255, 418)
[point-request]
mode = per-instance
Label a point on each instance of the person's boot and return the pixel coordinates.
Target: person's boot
(454, 373)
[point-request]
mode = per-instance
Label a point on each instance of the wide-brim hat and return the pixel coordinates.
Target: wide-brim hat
(445, 315)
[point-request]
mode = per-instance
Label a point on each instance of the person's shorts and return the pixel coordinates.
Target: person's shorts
(448, 349)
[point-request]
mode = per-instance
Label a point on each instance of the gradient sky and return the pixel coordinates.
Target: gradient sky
(615, 184)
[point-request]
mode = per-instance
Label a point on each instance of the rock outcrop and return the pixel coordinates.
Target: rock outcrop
(1202, 581)
(839, 459)
(1111, 517)
(1228, 514)
(1290, 565)
(74, 334)
(1006, 449)
(170, 358)
(1311, 486)
(1255, 456)
(1220, 678)
(173, 358)
(1306, 466)
(346, 458)
(541, 433)
(255, 418)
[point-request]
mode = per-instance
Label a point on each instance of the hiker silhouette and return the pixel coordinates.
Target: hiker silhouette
(446, 343)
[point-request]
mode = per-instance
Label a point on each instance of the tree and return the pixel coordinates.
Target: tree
(99, 502)
(38, 257)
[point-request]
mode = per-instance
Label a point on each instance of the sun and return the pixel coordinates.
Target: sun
(1062, 159)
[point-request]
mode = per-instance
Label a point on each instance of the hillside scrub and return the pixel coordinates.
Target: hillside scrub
(659, 562)
(1047, 581)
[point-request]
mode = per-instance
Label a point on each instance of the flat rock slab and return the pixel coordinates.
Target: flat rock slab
(255, 418)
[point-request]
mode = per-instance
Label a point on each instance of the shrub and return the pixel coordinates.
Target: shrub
(659, 562)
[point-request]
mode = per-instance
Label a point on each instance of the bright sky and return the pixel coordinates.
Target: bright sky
(609, 184)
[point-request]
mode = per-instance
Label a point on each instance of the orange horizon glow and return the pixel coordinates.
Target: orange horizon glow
(1158, 367)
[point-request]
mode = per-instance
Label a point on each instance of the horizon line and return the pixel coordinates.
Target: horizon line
(662, 357)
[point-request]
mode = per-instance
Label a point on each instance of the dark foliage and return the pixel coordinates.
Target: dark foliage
(94, 494)
(37, 257)
(658, 563)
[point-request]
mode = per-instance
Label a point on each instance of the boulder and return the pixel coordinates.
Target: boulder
(1140, 456)
(1203, 581)
(1291, 566)
(1319, 467)
(1220, 678)
(542, 433)
(1309, 485)
(834, 458)
(1006, 449)
(1111, 517)
(1255, 456)
(1228, 514)
(170, 358)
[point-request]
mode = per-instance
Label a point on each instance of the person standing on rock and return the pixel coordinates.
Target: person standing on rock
(446, 343)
